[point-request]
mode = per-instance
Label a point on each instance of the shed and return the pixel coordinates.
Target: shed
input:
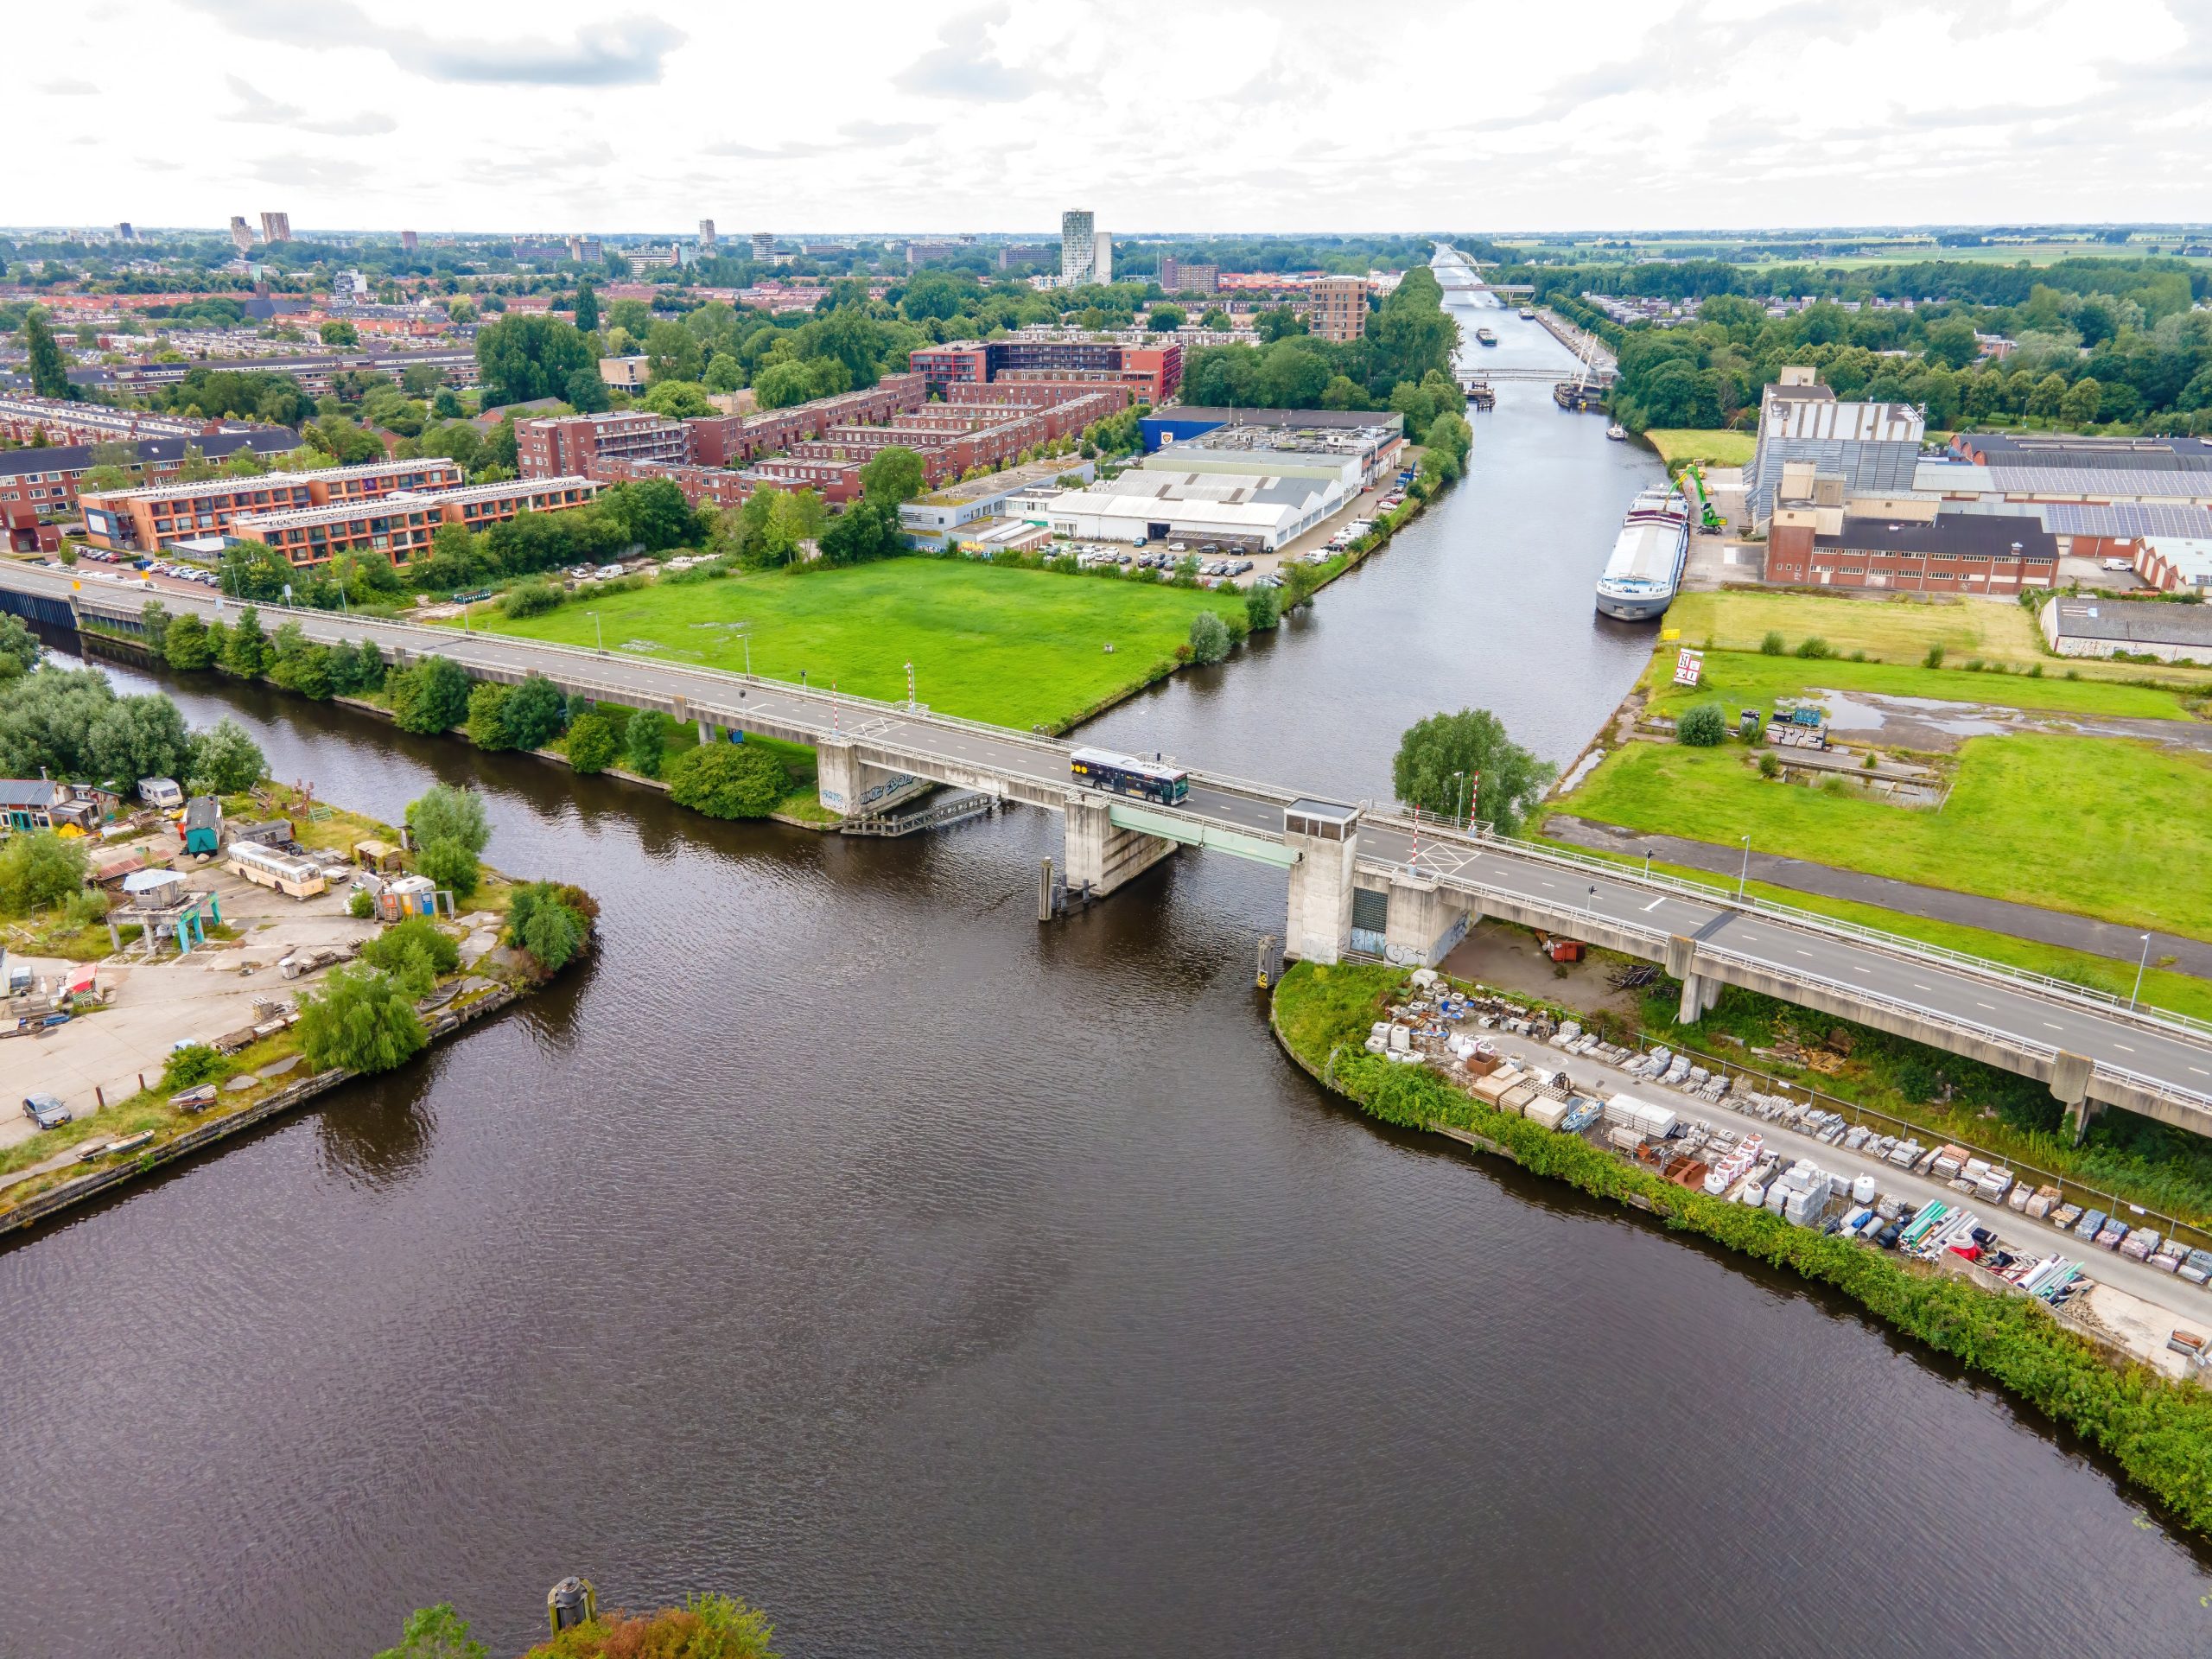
(379, 855)
(409, 895)
(203, 824)
(275, 832)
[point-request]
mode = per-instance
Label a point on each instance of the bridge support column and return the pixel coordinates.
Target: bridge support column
(1424, 923)
(1319, 927)
(1700, 991)
(2070, 1082)
(850, 785)
(1101, 856)
(707, 732)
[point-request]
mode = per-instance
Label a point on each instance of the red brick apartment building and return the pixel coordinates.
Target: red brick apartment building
(1152, 372)
(1953, 553)
(567, 444)
(148, 520)
(400, 525)
(46, 481)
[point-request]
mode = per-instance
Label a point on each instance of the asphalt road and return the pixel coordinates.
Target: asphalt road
(2179, 1062)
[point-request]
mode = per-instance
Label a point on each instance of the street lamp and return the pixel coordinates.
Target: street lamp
(910, 688)
(2140, 967)
(1746, 873)
(598, 633)
(1647, 863)
(1460, 796)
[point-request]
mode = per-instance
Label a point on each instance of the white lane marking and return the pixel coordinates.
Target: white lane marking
(1805, 954)
(2201, 1072)
(2047, 1026)
(2123, 1048)
(1992, 1007)
(1917, 986)
(1655, 904)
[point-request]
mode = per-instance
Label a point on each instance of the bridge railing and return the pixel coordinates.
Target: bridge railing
(2087, 997)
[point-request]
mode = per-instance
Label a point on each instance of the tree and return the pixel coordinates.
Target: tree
(536, 713)
(223, 760)
(247, 651)
(644, 741)
(434, 1633)
(595, 741)
(652, 512)
(1504, 780)
(186, 646)
(671, 352)
(362, 1019)
(678, 400)
(723, 373)
(38, 869)
(1165, 319)
(431, 696)
(527, 355)
(587, 307)
(867, 529)
(1703, 726)
(445, 813)
(450, 865)
(1208, 637)
(893, 474)
(1262, 607)
(782, 383)
(586, 392)
(487, 715)
(336, 333)
(542, 919)
(137, 737)
(1214, 317)
(50, 369)
(729, 780)
(2080, 405)
(20, 649)
(415, 952)
(1449, 440)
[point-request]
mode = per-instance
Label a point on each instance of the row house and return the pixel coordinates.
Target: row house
(56, 421)
(154, 518)
(400, 526)
(702, 486)
(48, 480)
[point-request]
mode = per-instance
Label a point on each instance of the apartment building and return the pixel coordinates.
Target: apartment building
(1014, 254)
(276, 227)
(152, 519)
(314, 372)
(567, 444)
(1336, 308)
(1181, 276)
(401, 525)
(732, 440)
(1152, 372)
(49, 479)
(56, 421)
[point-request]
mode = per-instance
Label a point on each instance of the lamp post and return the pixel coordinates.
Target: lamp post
(910, 688)
(1460, 795)
(1647, 863)
(598, 633)
(1745, 874)
(2140, 967)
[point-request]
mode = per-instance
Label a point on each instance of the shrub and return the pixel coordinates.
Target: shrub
(1262, 607)
(187, 645)
(729, 780)
(1814, 649)
(1208, 637)
(1768, 766)
(1703, 726)
(414, 952)
(445, 813)
(594, 742)
(360, 904)
(1934, 659)
(1974, 665)
(361, 1019)
(487, 715)
(223, 760)
(533, 598)
(190, 1066)
(536, 713)
(542, 920)
(705, 1627)
(39, 869)
(645, 742)
(450, 864)
(1773, 645)
(432, 697)
(84, 907)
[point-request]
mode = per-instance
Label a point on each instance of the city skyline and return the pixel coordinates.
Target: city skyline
(578, 114)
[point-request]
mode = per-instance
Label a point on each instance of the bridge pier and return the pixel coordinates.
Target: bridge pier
(1700, 991)
(1101, 856)
(1424, 923)
(2070, 1083)
(1324, 840)
(850, 785)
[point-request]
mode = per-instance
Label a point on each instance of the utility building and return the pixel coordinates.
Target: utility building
(1873, 448)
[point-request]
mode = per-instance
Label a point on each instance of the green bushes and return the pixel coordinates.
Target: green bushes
(38, 869)
(1774, 644)
(430, 697)
(449, 831)
(192, 1064)
(1262, 607)
(645, 742)
(451, 866)
(361, 1019)
(532, 598)
(552, 921)
(414, 952)
(1814, 649)
(1208, 637)
(223, 760)
(525, 716)
(595, 741)
(1703, 726)
(1934, 659)
(2158, 1433)
(729, 780)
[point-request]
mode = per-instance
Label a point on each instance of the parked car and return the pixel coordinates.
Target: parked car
(2118, 564)
(46, 1111)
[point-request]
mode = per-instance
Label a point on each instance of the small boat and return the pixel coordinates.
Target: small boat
(195, 1099)
(1617, 432)
(1527, 314)
(1484, 337)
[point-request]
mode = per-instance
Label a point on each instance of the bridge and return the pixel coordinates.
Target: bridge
(1363, 879)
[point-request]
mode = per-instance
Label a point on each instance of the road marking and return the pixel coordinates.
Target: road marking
(2123, 1048)
(1992, 1007)
(2201, 1072)
(2047, 1026)
(1917, 986)
(1805, 954)
(1655, 904)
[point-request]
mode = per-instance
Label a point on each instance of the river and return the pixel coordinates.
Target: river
(947, 1283)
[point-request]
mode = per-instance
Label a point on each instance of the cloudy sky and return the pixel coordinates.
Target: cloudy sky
(1207, 115)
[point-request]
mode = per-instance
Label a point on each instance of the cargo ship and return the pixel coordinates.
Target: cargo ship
(1646, 568)
(1484, 337)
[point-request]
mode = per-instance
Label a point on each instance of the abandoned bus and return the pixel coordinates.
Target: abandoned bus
(266, 867)
(1124, 774)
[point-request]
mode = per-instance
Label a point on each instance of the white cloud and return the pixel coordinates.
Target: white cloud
(648, 115)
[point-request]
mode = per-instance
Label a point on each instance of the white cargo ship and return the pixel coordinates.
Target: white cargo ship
(1646, 567)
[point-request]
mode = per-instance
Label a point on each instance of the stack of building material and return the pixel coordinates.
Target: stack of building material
(1803, 1190)
(1656, 1122)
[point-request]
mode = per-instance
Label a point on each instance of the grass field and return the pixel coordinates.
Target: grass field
(1017, 647)
(1739, 678)
(1677, 445)
(2100, 826)
(1898, 630)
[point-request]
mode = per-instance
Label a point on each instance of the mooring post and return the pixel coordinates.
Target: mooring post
(1044, 889)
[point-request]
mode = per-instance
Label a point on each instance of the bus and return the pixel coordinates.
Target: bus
(1124, 774)
(266, 867)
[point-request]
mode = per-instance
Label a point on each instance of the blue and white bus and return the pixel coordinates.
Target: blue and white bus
(1124, 774)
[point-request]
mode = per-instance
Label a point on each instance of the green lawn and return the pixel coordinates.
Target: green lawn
(1017, 647)
(1898, 629)
(1741, 679)
(2103, 827)
(1678, 445)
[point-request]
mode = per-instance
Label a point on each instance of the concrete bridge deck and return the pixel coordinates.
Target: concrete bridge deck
(1430, 885)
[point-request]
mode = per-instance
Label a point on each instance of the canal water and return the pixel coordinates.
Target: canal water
(946, 1283)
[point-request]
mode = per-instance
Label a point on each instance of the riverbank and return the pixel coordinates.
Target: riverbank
(2158, 1433)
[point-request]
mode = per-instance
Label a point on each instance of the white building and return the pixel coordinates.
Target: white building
(1079, 246)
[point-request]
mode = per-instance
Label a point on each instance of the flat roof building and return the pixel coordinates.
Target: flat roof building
(49, 479)
(1947, 552)
(400, 525)
(157, 518)
(1873, 448)
(2093, 625)
(1337, 308)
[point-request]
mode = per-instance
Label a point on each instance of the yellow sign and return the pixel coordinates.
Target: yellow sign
(1670, 634)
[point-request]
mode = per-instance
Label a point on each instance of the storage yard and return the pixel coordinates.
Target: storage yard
(2145, 1293)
